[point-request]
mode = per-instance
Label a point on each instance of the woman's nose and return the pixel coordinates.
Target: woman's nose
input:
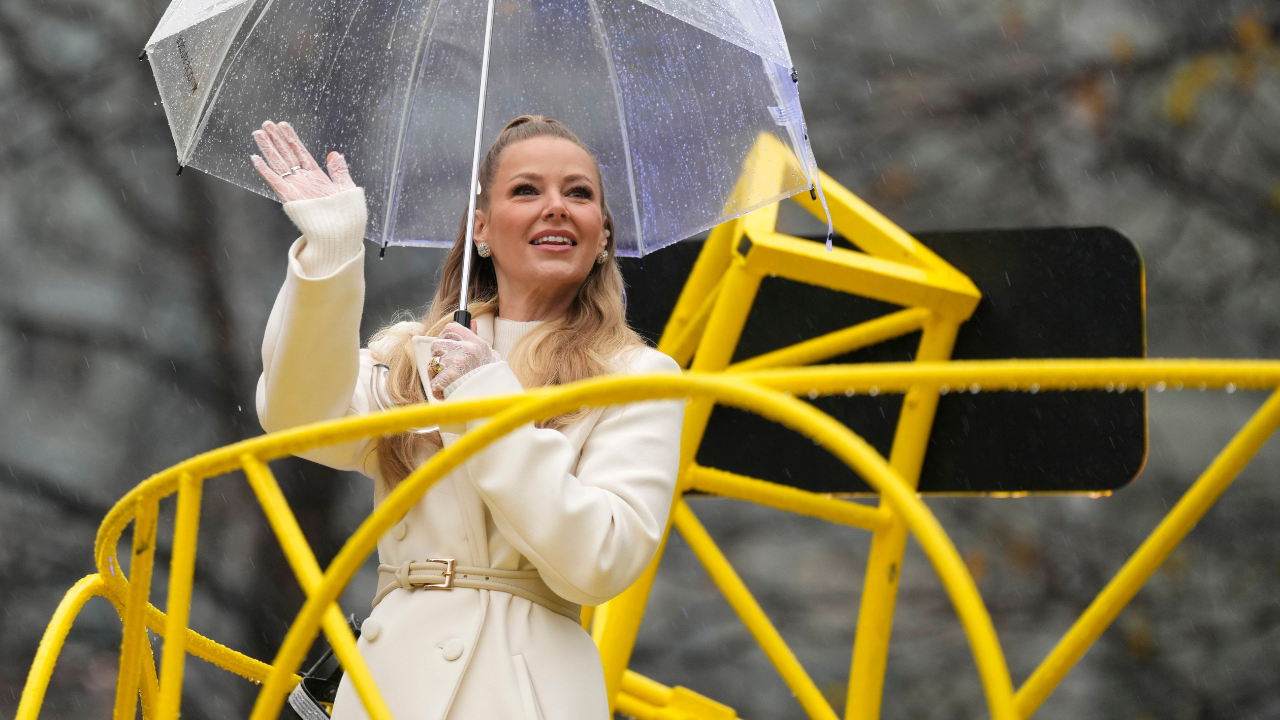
(555, 209)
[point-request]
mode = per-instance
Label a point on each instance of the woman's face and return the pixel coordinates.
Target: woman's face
(544, 222)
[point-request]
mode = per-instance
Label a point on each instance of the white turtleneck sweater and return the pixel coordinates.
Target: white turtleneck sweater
(506, 333)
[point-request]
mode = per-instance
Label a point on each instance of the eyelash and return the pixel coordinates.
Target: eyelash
(581, 191)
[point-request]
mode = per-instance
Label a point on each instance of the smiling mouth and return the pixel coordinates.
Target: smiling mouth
(553, 240)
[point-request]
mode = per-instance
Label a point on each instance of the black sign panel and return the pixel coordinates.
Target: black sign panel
(1047, 293)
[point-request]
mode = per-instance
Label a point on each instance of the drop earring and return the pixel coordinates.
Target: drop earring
(482, 249)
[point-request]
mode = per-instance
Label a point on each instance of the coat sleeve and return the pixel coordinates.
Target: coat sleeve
(313, 368)
(593, 532)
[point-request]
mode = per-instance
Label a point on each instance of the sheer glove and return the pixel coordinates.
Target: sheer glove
(455, 353)
(328, 208)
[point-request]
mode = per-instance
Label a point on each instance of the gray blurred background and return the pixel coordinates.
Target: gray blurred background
(132, 305)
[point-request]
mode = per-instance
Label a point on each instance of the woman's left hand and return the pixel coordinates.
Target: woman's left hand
(455, 353)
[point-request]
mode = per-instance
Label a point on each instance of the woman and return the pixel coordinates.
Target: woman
(550, 517)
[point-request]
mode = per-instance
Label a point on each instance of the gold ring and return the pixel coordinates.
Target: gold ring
(434, 367)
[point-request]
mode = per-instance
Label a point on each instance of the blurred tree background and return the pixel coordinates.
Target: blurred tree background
(132, 304)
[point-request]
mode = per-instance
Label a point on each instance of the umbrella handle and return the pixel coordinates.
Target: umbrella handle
(463, 318)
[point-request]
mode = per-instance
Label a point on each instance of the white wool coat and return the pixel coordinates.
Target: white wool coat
(586, 506)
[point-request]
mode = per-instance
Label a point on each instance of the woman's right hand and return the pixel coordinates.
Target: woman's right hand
(291, 171)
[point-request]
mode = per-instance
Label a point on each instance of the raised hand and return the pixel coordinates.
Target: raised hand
(291, 171)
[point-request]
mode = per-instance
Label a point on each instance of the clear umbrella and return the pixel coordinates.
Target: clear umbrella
(671, 95)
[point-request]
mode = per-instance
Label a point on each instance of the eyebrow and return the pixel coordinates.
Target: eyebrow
(535, 176)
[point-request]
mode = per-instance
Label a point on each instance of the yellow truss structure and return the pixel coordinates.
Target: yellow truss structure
(703, 331)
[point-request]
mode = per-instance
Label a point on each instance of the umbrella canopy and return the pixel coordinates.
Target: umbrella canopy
(671, 96)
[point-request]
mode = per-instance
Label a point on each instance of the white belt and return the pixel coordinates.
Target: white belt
(447, 574)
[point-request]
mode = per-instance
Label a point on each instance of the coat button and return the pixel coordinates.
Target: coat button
(399, 530)
(452, 649)
(369, 629)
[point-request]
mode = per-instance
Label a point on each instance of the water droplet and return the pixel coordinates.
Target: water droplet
(944, 390)
(1160, 386)
(1120, 387)
(1035, 387)
(975, 388)
(1231, 387)
(813, 394)
(874, 391)
(1110, 387)
(1202, 387)
(848, 392)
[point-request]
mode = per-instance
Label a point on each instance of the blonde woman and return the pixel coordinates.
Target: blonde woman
(551, 517)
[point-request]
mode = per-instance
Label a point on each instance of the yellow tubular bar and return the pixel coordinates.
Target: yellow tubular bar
(860, 274)
(149, 685)
(736, 392)
(307, 570)
(198, 645)
(1023, 375)
(645, 699)
(134, 640)
(739, 597)
(210, 651)
(801, 502)
(839, 342)
(182, 570)
(871, 231)
(51, 644)
(884, 562)
(683, 347)
(618, 623)
(707, 272)
(1126, 583)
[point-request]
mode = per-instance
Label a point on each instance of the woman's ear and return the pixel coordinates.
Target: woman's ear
(481, 225)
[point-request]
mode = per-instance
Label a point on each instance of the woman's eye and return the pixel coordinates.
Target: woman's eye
(525, 189)
(582, 192)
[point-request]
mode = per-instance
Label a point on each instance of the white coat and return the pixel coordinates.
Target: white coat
(585, 506)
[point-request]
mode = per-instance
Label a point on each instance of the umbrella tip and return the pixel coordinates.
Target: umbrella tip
(813, 191)
(795, 75)
(383, 252)
(142, 55)
(179, 170)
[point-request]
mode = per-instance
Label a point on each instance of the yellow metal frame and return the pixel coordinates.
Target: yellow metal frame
(768, 393)
(703, 332)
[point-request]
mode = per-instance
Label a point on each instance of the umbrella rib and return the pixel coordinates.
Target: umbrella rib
(393, 188)
(622, 124)
(337, 52)
(215, 88)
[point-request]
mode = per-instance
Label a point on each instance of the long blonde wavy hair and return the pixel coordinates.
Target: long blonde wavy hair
(586, 341)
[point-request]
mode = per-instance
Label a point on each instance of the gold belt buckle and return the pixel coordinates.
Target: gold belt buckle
(449, 565)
